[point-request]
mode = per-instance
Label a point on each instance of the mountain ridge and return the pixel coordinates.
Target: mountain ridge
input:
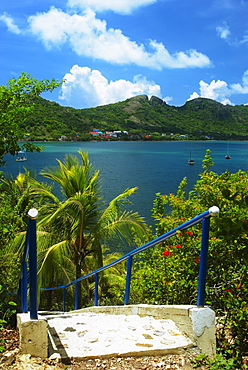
(197, 118)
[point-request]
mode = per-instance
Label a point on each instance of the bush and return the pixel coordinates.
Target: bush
(168, 274)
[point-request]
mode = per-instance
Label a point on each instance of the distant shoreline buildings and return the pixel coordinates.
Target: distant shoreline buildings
(96, 132)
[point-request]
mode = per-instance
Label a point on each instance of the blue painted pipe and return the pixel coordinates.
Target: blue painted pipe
(213, 211)
(128, 279)
(76, 296)
(24, 286)
(33, 213)
(64, 299)
(204, 217)
(203, 262)
(24, 278)
(96, 290)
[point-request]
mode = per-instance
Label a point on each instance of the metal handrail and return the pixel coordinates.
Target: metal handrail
(203, 217)
(31, 252)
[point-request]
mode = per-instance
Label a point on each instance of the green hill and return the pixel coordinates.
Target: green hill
(141, 117)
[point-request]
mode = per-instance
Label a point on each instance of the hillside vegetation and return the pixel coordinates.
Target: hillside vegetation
(141, 117)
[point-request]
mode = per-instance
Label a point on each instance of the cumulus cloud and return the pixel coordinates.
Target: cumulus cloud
(243, 87)
(90, 37)
(118, 6)
(85, 87)
(220, 90)
(167, 99)
(9, 22)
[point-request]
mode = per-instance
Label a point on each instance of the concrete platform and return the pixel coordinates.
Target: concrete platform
(92, 335)
(125, 331)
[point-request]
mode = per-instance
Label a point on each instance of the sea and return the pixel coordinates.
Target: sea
(152, 166)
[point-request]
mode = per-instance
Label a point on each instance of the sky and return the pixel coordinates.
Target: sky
(110, 50)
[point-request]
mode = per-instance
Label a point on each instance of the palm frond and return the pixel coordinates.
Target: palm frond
(72, 231)
(118, 223)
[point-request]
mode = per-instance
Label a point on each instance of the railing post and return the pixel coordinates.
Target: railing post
(96, 289)
(203, 262)
(24, 279)
(32, 214)
(24, 286)
(76, 295)
(204, 218)
(64, 299)
(128, 279)
(213, 211)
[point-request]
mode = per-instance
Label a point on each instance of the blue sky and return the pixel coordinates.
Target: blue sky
(111, 50)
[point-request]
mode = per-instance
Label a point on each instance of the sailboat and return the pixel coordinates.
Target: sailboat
(21, 156)
(191, 160)
(227, 156)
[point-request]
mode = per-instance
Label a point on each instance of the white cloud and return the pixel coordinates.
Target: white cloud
(243, 87)
(244, 40)
(223, 31)
(167, 99)
(215, 90)
(220, 91)
(9, 22)
(118, 6)
(85, 87)
(227, 102)
(90, 37)
(195, 95)
(245, 79)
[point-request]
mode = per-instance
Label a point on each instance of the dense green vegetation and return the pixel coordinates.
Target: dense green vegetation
(74, 232)
(79, 227)
(25, 115)
(142, 118)
(168, 274)
(75, 229)
(15, 105)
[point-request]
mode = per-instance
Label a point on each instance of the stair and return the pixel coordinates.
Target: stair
(117, 331)
(91, 335)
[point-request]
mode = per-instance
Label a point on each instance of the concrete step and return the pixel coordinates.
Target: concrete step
(90, 335)
(138, 330)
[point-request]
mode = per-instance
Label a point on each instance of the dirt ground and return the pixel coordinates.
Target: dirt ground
(12, 359)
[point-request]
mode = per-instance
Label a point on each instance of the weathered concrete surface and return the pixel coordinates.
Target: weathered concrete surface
(33, 335)
(123, 331)
(203, 327)
(89, 335)
(198, 324)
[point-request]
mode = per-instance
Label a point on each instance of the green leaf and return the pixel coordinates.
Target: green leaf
(11, 303)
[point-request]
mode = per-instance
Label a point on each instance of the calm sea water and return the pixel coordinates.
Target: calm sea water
(151, 166)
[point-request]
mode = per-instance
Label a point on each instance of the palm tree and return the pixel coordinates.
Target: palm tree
(15, 201)
(18, 192)
(78, 226)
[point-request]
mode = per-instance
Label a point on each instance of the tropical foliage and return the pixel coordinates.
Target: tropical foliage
(15, 106)
(24, 114)
(168, 274)
(142, 118)
(74, 228)
(15, 201)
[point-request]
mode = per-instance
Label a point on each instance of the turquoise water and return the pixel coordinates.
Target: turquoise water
(151, 166)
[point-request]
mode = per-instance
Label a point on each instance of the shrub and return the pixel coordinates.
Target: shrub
(168, 274)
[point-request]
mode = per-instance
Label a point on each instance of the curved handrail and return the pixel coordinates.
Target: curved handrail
(203, 217)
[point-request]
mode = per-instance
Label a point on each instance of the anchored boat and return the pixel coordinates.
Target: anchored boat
(191, 160)
(21, 156)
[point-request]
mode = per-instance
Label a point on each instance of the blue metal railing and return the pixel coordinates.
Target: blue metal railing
(204, 218)
(31, 251)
